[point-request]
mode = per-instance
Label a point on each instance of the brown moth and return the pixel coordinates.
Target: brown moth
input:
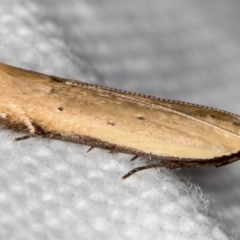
(179, 134)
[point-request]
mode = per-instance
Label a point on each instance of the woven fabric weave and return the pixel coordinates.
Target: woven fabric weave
(185, 50)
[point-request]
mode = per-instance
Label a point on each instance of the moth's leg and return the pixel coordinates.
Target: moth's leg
(15, 118)
(143, 168)
(22, 138)
(90, 149)
(134, 158)
(173, 165)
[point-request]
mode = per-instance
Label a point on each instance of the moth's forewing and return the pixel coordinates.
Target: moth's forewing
(108, 118)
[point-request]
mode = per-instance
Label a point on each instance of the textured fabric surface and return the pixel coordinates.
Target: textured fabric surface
(186, 50)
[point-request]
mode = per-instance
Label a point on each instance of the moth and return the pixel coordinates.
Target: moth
(170, 134)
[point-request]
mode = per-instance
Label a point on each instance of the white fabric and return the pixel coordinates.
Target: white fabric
(187, 50)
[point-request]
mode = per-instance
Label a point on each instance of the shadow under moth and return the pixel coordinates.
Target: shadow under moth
(168, 133)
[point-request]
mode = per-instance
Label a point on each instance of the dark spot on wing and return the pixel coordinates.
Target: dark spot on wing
(141, 118)
(111, 123)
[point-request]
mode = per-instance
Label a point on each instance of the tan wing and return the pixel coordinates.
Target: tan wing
(60, 108)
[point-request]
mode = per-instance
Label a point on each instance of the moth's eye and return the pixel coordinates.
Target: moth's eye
(60, 108)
